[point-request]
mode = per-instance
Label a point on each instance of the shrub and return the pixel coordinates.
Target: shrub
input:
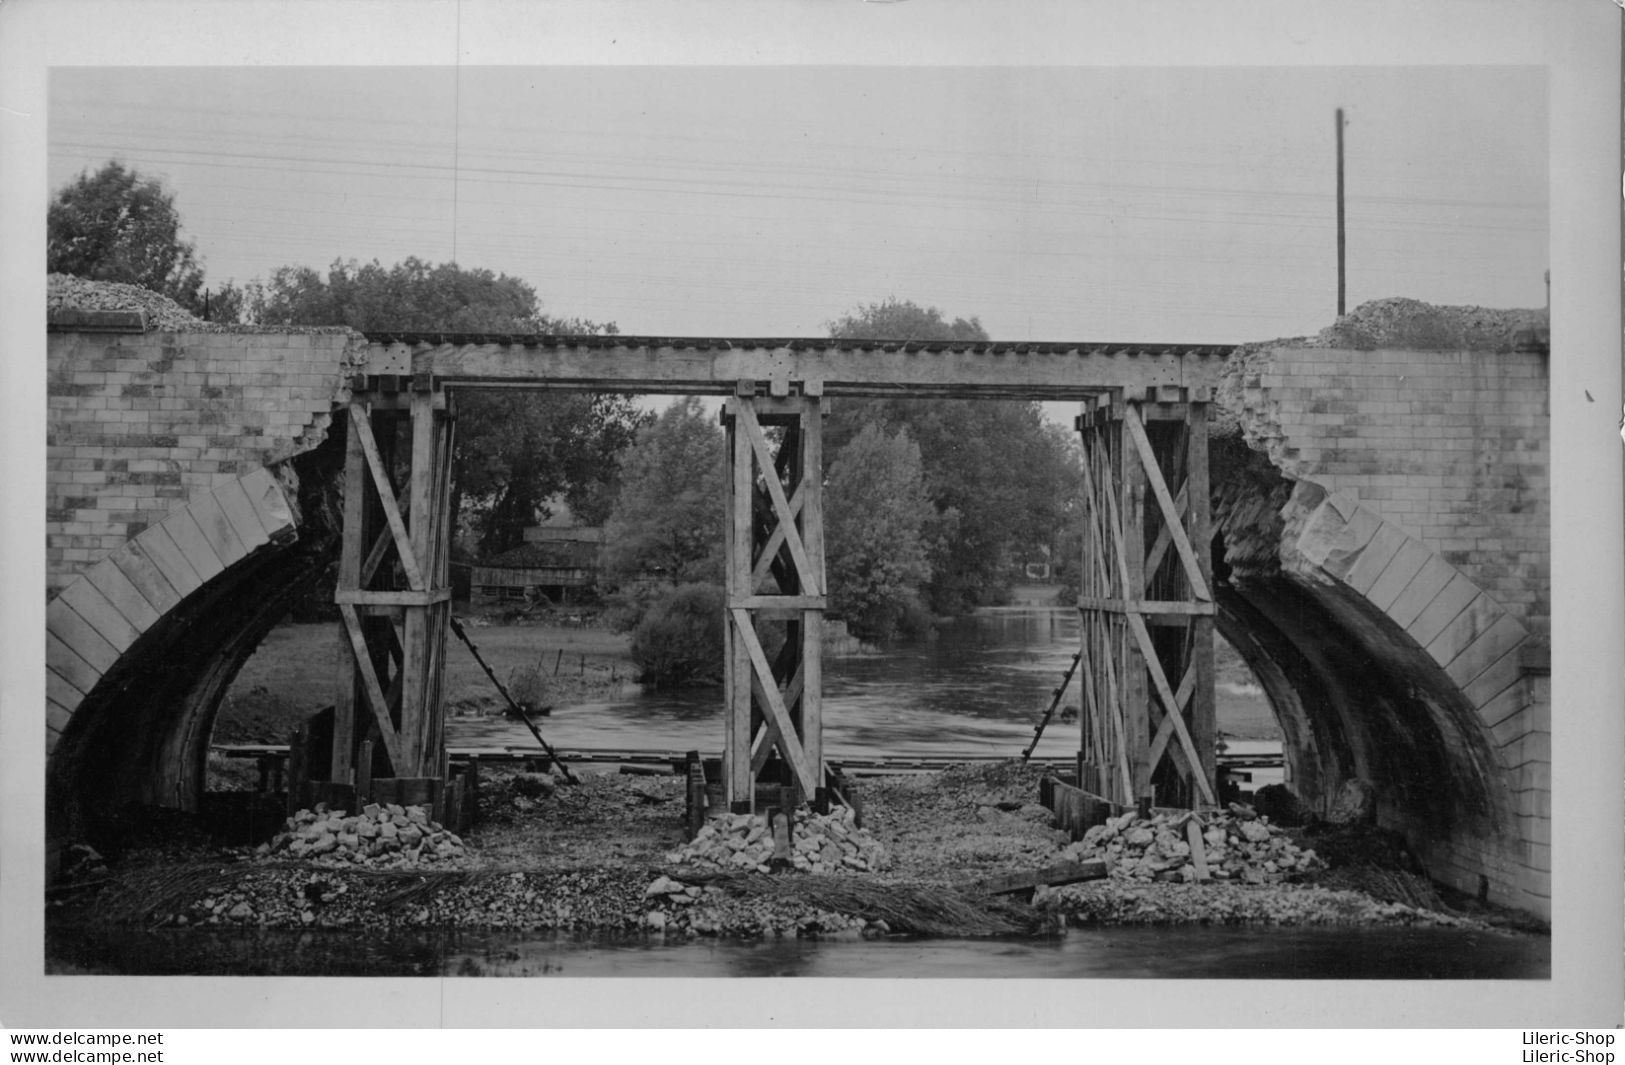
(679, 641)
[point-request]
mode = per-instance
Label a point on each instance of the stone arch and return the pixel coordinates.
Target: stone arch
(142, 646)
(1386, 663)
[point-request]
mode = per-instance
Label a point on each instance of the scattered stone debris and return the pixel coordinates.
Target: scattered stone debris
(821, 843)
(1236, 845)
(388, 836)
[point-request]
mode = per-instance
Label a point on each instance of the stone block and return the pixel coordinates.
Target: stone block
(200, 555)
(102, 616)
(125, 596)
(1405, 564)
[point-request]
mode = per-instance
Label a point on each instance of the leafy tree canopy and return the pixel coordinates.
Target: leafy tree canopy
(116, 225)
(997, 474)
(876, 521)
(514, 450)
(667, 520)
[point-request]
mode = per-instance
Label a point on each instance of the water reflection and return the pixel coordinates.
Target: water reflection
(977, 688)
(1196, 952)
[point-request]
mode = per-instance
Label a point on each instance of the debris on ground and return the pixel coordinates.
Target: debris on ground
(609, 856)
(380, 836)
(820, 843)
(1234, 845)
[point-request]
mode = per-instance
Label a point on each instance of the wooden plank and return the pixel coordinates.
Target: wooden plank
(836, 368)
(361, 425)
(1407, 561)
(1204, 708)
(810, 581)
(160, 549)
(1160, 681)
(1445, 608)
(775, 540)
(794, 603)
(1147, 606)
(789, 746)
(1170, 513)
(125, 597)
(371, 688)
(80, 636)
(1128, 530)
(1050, 875)
(426, 598)
(736, 755)
(1193, 836)
(72, 666)
(217, 528)
(1165, 538)
(811, 680)
(1374, 558)
(1165, 731)
(146, 577)
(239, 511)
(355, 490)
(1423, 588)
(198, 551)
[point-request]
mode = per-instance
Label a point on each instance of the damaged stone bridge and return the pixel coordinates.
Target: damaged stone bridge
(1376, 542)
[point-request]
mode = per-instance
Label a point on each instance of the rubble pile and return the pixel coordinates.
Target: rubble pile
(66, 292)
(820, 843)
(387, 836)
(1237, 846)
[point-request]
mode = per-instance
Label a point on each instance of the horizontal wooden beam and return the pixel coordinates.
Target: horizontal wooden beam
(401, 598)
(715, 366)
(1143, 606)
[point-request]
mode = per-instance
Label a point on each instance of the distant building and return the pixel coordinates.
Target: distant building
(559, 561)
(1036, 566)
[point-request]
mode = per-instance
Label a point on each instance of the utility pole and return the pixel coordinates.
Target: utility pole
(1340, 242)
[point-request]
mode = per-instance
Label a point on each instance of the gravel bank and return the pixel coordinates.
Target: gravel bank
(607, 855)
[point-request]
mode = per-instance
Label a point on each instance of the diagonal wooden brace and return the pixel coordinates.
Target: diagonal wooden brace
(811, 581)
(376, 700)
(1170, 512)
(361, 425)
(1160, 680)
(789, 743)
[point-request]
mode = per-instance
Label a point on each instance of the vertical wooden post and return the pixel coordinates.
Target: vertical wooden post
(353, 536)
(774, 536)
(812, 620)
(393, 590)
(736, 757)
(1137, 710)
(1204, 723)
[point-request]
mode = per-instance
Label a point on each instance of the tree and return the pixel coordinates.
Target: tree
(514, 450)
(997, 474)
(116, 225)
(874, 533)
(667, 521)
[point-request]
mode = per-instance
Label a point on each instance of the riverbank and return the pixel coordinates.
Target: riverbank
(607, 856)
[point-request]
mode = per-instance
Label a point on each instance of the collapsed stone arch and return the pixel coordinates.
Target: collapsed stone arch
(143, 646)
(1397, 672)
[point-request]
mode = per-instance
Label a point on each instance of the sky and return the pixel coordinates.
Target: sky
(1172, 204)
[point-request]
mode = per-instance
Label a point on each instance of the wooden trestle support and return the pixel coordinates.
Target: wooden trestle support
(394, 598)
(1146, 600)
(775, 592)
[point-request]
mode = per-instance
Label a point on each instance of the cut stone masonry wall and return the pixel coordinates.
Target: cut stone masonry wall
(1418, 523)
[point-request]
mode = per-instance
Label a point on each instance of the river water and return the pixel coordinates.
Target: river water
(977, 689)
(1203, 952)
